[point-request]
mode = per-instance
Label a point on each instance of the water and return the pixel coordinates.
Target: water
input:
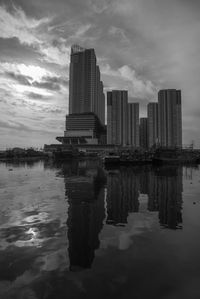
(77, 230)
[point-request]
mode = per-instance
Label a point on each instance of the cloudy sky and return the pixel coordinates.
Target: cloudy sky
(141, 45)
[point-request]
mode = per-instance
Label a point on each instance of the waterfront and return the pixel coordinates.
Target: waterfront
(77, 230)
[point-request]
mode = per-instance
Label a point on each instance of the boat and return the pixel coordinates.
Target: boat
(65, 154)
(111, 159)
(127, 159)
(173, 156)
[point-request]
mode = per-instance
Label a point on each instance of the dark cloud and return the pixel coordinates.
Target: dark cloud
(51, 83)
(11, 49)
(63, 8)
(47, 82)
(36, 96)
(58, 80)
(54, 110)
(47, 85)
(24, 80)
(28, 6)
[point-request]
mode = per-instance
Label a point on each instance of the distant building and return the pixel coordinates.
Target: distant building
(85, 85)
(152, 114)
(133, 124)
(170, 118)
(143, 133)
(117, 123)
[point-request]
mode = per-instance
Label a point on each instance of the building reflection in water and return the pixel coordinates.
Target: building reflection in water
(163, 186)
(169, 193)
(122, 195)
(84, 182)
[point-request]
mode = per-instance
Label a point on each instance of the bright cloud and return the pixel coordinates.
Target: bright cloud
(126, 78)
(27, 31)
(17, 24)
(32, 71)
(56, 55)
(22, 89)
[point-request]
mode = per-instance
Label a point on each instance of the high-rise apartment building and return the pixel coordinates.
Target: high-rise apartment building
(117, 123)
(133, 124)
(144, 132)
(152, 114)
(170, 118)
(85, 85)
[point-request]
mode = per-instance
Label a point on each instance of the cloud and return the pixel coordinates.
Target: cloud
(57, 50)
(119, 33)
(82, 30)
(24, 80)
(28, 31)
(140, 87)
(126, 78)
(99, 6)
(17, 24)
(47, 85)
(31, 72)
(141, 46)
(32, 77)
(59, 54)
(37, 96)
(56, 79)
(12, 50)
(17, 126)
(35, 72)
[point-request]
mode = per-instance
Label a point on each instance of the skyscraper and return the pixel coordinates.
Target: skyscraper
(152, 114)
(85, 85)
(170, 118)
(117, 124)
(133, 124)
(143, 132)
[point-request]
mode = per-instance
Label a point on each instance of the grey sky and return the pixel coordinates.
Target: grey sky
(141, 45)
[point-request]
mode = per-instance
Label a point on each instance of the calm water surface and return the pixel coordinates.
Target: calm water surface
(77, 230)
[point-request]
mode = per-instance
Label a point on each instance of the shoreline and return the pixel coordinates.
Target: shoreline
(16, 159)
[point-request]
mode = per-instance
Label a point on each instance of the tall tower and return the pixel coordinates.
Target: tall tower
(152, 114)
(143, 132)
(133, 124)
(170, 118)
(85, 86)
(117, 124)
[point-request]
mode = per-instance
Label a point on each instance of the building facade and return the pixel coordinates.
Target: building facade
(133, 124)
(117, 122)
(170, 118)
(144, 132)
(85, 85)
(84, 128)
(152, 115)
